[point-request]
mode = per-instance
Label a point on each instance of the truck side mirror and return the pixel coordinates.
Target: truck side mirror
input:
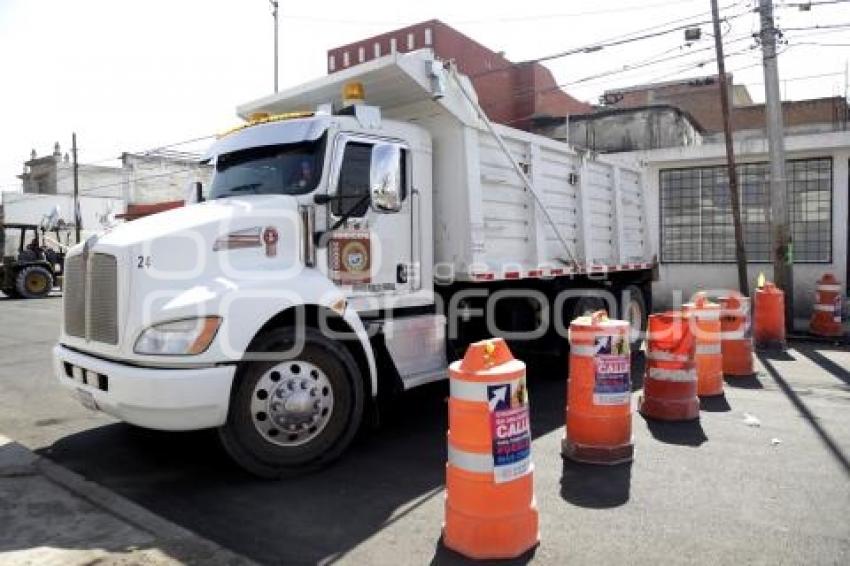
(385, 178)
(322, 198)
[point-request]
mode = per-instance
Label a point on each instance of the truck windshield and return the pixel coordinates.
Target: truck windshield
(288, 169)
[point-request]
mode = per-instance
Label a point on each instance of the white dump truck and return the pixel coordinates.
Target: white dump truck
(358, 232)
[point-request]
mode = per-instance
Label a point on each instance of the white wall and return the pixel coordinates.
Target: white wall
(152, 179)
(682, 280)
(27, 208)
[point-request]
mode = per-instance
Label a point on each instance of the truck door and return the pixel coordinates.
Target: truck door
(370, 252)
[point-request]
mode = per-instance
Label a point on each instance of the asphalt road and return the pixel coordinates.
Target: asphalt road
(713, 491)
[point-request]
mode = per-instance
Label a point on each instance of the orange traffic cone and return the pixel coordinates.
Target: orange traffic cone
(599, 397)
(670, 385)
(826, 318)
(490, 506)
(736, 343)
(769, 317)
(709, 359)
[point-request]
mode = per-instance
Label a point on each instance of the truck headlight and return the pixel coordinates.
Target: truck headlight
(180, 337)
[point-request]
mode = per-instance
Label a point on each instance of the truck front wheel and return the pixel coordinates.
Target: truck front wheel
(296, 412)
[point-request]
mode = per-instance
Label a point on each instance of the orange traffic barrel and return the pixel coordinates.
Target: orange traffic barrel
(826, 318)
(736, 342)
(670, 384)
(705, 325)
(769, 317)
(599, 392)
(490, 506)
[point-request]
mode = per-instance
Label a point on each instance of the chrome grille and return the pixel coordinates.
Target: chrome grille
(103, 299)
(93, 314)
(74, 291)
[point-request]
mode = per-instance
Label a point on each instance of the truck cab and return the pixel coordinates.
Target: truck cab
(312, 225)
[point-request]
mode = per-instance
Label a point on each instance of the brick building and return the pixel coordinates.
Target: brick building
(698, 97)
(510, 93)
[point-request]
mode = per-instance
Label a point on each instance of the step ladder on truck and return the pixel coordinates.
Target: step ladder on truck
(359, 231)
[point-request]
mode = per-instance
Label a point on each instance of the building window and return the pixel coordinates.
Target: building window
(696, 212)
(393, 45)
(428, 37)
(411, 41)
(345, 61)
(377, 48)
(331, 63)
(361, 54)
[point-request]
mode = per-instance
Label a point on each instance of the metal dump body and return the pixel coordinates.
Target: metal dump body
(487, 224)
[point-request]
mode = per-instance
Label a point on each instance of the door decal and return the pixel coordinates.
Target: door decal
(349, 255)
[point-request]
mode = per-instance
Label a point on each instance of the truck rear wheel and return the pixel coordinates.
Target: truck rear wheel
(635, 312)
(34, 282)
(295, 413)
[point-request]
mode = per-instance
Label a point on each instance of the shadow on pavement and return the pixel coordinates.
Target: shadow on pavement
(596, 487)
(187, 478)
(807, 414)
(717, 404)
(748, 382)
(446, 557)
(682, 433)
(828, 365)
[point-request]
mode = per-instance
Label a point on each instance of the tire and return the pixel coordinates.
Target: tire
(325, 393)
(34, 282)
(634, 309)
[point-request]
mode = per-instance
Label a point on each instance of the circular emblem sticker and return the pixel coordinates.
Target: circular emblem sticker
(270, 237)
(355, 256)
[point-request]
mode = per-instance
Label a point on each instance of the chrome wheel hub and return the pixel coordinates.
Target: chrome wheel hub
(292, 403)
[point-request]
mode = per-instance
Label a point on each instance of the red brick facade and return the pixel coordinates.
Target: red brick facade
(699, 98)
(509, 93)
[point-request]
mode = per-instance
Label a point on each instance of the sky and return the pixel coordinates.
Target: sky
(130, 76)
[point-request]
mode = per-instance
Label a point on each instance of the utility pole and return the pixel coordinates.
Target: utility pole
(734, 197)
(274, 15)
(77, 221)
(783, 258)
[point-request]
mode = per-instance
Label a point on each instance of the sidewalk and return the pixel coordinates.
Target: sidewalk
(51, 516)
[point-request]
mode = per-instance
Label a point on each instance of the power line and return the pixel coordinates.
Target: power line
(647, 63)
(813, 4)
(830, 26)
(598, 46)
(637, 35)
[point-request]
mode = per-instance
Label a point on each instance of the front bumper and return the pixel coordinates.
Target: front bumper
(164, 399)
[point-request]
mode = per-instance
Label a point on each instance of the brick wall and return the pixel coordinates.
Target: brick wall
(509, 93)
(700, 99)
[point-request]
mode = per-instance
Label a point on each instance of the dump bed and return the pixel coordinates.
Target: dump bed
(583, 212)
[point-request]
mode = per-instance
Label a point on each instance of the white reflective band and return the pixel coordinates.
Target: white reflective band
(476, 391)
(706, 314)
(834, 288)
(478, 462)
(666, 357)
(663, 374)
(736, 335)
(825, 308)
(582, 350)
(708, 349)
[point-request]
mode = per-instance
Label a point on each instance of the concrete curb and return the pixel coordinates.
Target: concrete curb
(19, 461)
